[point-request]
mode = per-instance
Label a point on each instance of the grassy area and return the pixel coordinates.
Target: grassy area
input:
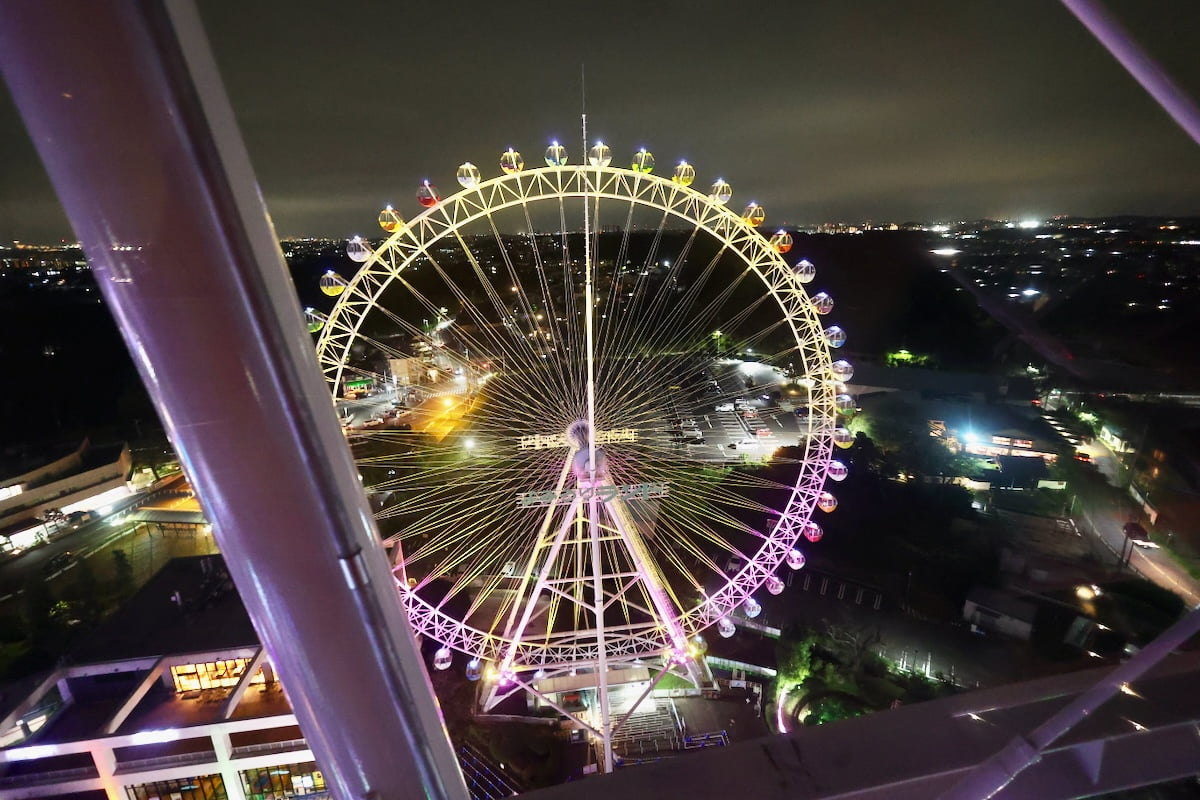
(1189, 563)
(1041, 502)
(673, 681)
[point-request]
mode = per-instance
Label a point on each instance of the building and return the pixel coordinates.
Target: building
(999, 612)
(407, 371)
(991, 431)
(173, 697)
(917, 384)
(84, 479)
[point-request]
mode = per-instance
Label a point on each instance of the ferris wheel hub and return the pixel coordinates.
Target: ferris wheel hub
(581, 465)
(578, 433)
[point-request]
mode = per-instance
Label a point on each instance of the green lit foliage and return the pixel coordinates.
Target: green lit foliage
(900, 434)
(836, 673)
(905, 358)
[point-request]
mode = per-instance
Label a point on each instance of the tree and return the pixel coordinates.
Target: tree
(901, 432)
(896, 425)
(854, 645)
(87, 601)
(39, 601)
(794, 656)
(123, 582)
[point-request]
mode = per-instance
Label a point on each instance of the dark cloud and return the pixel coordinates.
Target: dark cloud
(819, 110)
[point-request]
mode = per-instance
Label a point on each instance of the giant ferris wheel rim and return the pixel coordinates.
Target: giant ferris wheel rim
(414, 239)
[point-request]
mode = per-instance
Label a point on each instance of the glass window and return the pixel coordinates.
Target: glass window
(203, 787)
(293, 781)
(212, 674)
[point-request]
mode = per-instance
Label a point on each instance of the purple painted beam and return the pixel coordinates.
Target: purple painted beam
(127, 111)
(1138, 64)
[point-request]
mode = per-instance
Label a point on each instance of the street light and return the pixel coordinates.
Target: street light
(1135, 534)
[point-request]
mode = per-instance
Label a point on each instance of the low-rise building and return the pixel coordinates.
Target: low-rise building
(999, 612)
(173, 697)
(991, 431)
(63, 483)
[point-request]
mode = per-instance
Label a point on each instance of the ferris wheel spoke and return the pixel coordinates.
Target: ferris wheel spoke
(571, 313)
(513, 347)
(535, 333)
(492, 337)
(612, 296)
(645, 324)
(553, 313)
(628, 327)
(550, 313)
(629, 301)
(670, 336)
(696, 327)
(469, 501)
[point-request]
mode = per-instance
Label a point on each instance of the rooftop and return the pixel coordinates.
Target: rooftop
(942, 383)
(208, 616)
(1002, 602)
(922, 750)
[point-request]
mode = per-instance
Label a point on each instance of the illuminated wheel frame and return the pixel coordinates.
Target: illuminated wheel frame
(650, 628)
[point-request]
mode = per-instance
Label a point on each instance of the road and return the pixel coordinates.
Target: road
(1103, 518)
(1097, 513)
(438, 412)
(17, 571)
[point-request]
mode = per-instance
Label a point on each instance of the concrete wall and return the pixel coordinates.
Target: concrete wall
(57, 494)
(57, 467)
(997, 622)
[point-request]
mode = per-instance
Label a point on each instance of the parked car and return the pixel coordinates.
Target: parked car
(724, 407)
(77, 518)
(59, 562)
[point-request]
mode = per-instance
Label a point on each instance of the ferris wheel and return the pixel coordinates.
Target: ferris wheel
(609, 411)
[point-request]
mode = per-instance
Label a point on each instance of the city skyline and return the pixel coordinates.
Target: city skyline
(819, 115)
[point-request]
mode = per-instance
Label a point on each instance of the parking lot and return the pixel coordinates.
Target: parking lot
(731, 411)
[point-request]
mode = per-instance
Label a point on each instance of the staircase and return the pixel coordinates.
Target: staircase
(650, 730)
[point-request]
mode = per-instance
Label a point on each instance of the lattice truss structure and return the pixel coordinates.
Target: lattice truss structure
(550, 329)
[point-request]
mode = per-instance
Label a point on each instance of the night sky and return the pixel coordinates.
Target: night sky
(822, 111)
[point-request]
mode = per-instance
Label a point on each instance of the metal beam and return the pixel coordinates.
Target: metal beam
(135, 697)
(129, 116)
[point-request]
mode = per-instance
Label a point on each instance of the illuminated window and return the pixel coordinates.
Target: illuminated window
(212, 675)
(288, 780)
(203, 787)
